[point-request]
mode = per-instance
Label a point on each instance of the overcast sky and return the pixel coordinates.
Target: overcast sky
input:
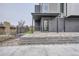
(14, 12)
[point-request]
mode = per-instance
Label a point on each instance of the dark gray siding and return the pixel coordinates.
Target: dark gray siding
(53, 25)
(61, 25)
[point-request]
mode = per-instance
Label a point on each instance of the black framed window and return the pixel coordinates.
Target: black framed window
(62, 7)
(37, 8)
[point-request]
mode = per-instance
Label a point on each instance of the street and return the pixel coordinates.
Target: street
(41, 50)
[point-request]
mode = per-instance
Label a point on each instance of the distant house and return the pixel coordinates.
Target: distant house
(6, 28)
(13, 30)
(2, 29)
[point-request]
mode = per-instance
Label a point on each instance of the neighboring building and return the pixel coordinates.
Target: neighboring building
(13, 30)
(2, 29)
(56, 17)
(6, 28)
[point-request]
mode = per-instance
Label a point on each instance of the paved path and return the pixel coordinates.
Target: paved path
(52, 34)
(41, 50)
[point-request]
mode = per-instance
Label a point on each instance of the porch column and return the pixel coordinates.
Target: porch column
(32, 25)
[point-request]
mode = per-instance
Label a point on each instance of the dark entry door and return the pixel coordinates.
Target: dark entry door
(45, 25)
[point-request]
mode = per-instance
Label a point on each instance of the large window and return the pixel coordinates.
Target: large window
(37, 8)
(62, 7)
(45, 8)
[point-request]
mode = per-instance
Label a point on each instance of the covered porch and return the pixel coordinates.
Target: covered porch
(41, 21)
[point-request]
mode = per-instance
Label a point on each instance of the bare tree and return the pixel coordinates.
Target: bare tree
(21, 23)
(20, 26)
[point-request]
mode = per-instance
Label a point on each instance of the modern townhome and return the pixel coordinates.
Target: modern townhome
(56, 17)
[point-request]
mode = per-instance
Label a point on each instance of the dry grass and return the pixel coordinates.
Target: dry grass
(6, 37)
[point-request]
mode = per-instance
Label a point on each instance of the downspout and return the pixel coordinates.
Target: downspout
(65, 17)
(66, 9)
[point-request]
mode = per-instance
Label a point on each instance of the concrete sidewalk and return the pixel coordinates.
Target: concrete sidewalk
(41, 50)
(52, 34)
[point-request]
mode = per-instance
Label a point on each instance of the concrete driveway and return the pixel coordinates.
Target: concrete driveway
(41, 50)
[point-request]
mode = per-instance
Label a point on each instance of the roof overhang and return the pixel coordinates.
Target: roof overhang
(39, 15)
(73, 16)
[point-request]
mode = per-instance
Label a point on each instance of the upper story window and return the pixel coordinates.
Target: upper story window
(62, 7)
(37, 8)
(45, 8)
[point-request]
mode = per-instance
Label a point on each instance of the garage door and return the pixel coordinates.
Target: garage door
(72, 25)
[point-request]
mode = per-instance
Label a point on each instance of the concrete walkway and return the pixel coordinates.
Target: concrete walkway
(52, 34)
(41, 50)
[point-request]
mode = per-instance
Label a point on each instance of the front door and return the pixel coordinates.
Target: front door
(45, 26)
